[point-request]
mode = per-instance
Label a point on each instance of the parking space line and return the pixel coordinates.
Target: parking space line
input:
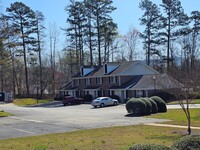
(28, 120)
(21, 130)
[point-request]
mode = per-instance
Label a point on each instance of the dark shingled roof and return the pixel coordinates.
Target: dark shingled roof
(92, 87)
(133, 81)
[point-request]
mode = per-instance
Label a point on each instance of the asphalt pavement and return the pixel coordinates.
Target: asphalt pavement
(56, 118)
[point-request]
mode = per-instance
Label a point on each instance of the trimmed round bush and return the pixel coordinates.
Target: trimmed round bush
(149, 147)
(136, 106)
(148, 106)
(154, 106)
(190, 142)
(126, 100)
(160, 103)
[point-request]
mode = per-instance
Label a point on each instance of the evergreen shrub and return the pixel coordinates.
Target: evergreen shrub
(154, 106)
(148, 105)
(189, 142)
(136, 106)
(149, 147)
(160, 103)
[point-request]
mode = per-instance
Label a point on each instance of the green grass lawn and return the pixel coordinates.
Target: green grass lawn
(30, 101)
(195, 101)
(178, 117)
(115, 138)
(4, 114)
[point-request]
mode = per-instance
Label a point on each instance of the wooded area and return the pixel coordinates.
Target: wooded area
(170, 43)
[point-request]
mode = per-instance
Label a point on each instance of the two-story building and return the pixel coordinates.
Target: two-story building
(125, 79)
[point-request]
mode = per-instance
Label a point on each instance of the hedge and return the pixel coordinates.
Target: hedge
(136, 106)
(148, 105)
(190, 142)
(149, 147)
(160, 103)
(154, 106)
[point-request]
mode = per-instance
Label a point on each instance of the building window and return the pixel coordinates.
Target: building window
(113, 79)
(139, 93)
(99, 80)
(87, 81)
(76, 82)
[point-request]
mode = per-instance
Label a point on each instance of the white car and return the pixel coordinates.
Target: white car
(104, 101)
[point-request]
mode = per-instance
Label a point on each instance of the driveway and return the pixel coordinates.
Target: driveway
(55, 118)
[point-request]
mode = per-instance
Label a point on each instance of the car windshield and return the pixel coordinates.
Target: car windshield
(98, 99)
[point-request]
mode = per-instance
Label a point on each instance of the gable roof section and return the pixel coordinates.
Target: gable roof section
(158, 82)
(138, 68)
(124, 68)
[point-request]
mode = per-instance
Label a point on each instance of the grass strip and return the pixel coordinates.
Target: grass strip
(118, 138)
(30, 101)
(177, 117)
(195, 101)
(4, 114)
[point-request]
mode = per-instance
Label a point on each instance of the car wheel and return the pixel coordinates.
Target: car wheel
(102, 105)
(115, 104)
(64, 104)
(95, 106)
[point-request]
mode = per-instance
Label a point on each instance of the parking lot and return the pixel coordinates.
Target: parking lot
(56, 118)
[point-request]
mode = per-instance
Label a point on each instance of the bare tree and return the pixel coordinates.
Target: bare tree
(183, 87)
(131, 39)
(53, 39)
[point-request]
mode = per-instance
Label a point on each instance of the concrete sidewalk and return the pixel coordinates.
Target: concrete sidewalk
(170, 125)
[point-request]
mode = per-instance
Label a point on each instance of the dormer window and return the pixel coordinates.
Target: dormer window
(105, 69)
(110, 67)
(86, 70)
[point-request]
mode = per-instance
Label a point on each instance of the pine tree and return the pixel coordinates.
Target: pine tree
(39, 29)
(76, 21)
(22, 19)
(173, 19)
(195, 20)
(101, 11)
(151, 20)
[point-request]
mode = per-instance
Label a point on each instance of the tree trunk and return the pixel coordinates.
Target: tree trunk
(99, 41)
(25, 62)
(168, 39)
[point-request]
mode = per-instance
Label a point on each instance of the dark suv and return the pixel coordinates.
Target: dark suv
(70, 100)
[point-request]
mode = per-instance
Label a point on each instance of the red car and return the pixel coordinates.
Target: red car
(70, 100)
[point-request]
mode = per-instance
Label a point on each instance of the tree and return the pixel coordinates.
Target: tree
(75, 31)
(22, 19)
(174, 18)
(101, 11)
(90, 40)
(131, 40)
(91, 27)
(195, 20)
(109, 35)
(40, 39)
(151, 20)
(53, 39)
(185, 88)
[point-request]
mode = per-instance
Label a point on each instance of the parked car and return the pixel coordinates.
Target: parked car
(104, 101)
(70, 100)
